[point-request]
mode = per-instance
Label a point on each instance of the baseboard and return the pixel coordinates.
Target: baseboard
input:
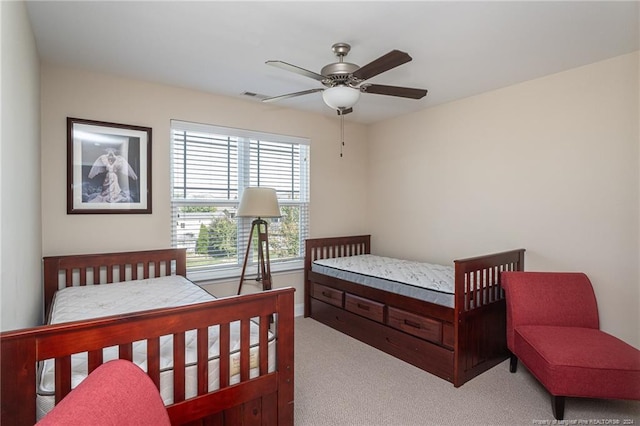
(298, 310)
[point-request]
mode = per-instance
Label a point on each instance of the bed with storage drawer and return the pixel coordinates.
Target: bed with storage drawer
(454, 328)
(221, 361)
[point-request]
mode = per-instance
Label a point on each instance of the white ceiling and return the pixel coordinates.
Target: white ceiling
(459, 49)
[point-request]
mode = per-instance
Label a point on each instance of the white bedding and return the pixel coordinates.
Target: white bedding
(76, 303)
(420, 280)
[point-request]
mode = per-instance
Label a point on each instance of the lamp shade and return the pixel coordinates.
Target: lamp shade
(258, 201)
(340, 97)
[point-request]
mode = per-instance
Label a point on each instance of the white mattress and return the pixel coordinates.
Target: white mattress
(419, 280)
(76, 303)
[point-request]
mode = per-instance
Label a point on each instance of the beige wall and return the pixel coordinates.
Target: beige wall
(338, 186)
(20, 229)
(550, 165)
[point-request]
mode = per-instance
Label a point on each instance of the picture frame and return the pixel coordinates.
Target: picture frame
(108, 167)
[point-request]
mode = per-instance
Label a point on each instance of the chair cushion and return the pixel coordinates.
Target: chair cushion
(575, 361)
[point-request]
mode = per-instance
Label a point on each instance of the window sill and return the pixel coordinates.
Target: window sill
(209, 275)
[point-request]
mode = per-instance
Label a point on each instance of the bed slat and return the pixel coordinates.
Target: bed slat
(110, 278)
(264, 341)
(225, 342)
(134, 271)
(68, 278)
(153, 360)
(62, 377)
(125, 351)
(95, 359)
(244, 350)
(203, 364)
(83, 276)
(178, 367)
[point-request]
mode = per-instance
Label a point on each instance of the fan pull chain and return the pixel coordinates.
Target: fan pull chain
(341, 134)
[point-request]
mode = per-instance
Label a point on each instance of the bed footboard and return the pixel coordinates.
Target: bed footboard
(265, 399)
(480, 312)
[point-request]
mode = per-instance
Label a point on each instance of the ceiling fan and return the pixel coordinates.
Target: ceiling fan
(344, 81)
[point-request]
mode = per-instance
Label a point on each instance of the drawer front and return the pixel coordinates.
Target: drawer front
(328, 294)
(425, 355)
(364, 307)
(424, 328)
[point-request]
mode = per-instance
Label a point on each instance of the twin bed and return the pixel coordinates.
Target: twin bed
(453, 327)
(215, 361)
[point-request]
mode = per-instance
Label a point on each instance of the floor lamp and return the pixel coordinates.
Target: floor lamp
(259, 202)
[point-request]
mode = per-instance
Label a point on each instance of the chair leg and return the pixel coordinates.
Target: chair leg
(513, 363)
(557, 405)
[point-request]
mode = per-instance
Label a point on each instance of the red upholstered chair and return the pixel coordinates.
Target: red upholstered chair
(553, 328)
(116, 393)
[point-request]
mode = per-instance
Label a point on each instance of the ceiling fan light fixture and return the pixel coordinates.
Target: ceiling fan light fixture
(341, 97)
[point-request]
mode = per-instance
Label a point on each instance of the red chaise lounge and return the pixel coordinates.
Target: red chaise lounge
(553, 328)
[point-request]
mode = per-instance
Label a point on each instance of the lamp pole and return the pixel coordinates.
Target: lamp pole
(264, 265)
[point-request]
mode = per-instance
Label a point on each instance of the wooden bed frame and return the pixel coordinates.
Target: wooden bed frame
(455, 344)
(266, 399)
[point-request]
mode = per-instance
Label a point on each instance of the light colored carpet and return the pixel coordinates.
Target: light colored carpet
(342, 381)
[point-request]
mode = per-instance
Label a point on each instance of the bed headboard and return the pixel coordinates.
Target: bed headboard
(105, 268)
(322, 248)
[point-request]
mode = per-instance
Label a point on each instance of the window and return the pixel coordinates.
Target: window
(210, 166)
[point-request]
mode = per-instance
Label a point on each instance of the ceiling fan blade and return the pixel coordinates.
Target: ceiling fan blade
(291, 95)
(296, 69)
(382, 64)
(403, 92)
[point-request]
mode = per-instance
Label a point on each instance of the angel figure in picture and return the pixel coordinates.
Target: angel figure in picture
(112, 164)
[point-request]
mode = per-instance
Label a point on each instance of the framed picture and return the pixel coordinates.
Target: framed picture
(108, 167)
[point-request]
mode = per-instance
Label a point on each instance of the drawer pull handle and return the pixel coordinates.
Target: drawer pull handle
(391, 342)
(412, 324)
(363, 307)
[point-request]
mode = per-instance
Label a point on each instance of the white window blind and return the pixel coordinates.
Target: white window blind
(210, 167)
